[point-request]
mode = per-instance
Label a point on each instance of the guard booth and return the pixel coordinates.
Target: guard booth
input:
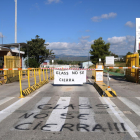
(99, 73)
(10, 57)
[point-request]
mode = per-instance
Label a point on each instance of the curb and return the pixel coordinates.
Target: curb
(102, 89)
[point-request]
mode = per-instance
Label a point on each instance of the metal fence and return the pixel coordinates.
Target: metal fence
(11, 62)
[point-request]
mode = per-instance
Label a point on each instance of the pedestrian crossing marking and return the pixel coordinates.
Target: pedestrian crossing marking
(119, 115)
(57, 117)
(6, 100)
(131, 105)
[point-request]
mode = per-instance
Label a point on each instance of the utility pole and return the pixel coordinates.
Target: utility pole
(88, 59)
(15, 21)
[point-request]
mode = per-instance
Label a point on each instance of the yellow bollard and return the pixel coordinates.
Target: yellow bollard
(43, 75)
(21, 96)
(39, 75)
(28, 78)
(21, 74)
(47, 74)
(32, 73)
(35, 76)
(50, 74)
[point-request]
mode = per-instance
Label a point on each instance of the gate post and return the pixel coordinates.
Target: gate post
(21, 96)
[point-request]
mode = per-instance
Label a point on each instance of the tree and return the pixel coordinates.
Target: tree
(99, 50)
(129, 53)
(113, 54)
(36, 49)
(32, 63)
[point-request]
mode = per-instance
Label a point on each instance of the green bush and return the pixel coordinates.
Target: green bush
(111, 70)
(32, 63)
(117, 70)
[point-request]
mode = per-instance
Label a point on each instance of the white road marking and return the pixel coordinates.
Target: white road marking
(121, 117)
(138, 98)
(112, 115)
(35, 93)
(6, 100)
(55, 117)
(35, 111)
(89, 118)
(131, 105)
(10, 109)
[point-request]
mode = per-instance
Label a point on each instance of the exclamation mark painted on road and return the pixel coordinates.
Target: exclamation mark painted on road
(122, 124)
(109, 126)
(116, 127)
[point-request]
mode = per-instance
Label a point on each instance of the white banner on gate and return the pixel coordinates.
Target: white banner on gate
(137, 45)
(69, 77)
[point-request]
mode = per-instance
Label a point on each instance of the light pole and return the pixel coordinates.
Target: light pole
(15, 21)
(88, 59)
(2, 37)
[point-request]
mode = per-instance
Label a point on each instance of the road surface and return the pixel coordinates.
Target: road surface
(69, 113)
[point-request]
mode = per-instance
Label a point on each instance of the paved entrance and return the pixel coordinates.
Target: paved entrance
(69, 112)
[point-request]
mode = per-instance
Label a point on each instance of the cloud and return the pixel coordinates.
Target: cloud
(85, 37)
(35, 6)
(79, 2)
(95, 19)
(103, 16)
(129, 24)
(51, 1)
(87, 30)
(110, 15)
(121, 45)
(77, 49)
(116, 40)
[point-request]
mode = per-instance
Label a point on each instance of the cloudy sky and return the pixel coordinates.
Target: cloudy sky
(71, 26)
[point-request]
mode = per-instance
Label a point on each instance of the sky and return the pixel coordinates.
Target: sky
(71, 26)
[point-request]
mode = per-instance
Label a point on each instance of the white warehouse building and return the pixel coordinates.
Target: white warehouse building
(86, 64)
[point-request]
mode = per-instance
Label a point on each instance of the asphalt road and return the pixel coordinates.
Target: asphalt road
(70, 113)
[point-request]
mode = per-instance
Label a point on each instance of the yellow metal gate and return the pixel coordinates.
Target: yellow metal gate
(132, 74)
(11, 62)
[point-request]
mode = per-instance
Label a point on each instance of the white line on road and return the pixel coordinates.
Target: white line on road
(10, 109)
(112, 115)
(30, 115)
(88, 114)
(55, 118)
(35, 93)
(121, 117)
(6, 100)
(131, 105)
